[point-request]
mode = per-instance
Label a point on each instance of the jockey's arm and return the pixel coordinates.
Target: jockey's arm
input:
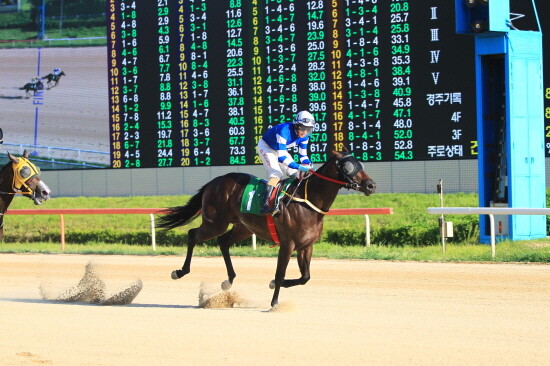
(284, 158)
(302, 152)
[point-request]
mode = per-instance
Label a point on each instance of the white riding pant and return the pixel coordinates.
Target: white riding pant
(271, 163)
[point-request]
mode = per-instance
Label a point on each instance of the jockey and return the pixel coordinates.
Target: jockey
(34, 81)
(273, 151)
(56, 71)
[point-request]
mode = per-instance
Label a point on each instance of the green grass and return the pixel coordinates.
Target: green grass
(525, 251)
(23, 233)
(17, 30)
(76, 35)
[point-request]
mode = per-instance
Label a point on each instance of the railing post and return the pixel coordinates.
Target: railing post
(367, 230)
(493, 246)
(153, 234)
(62, 231)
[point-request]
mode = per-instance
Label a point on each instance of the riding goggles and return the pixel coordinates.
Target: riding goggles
(302, 127)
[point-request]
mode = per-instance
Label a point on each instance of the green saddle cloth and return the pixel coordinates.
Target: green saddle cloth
(254, 193)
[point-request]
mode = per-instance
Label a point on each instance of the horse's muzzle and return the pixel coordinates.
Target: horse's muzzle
(41, 193)
(368, 187)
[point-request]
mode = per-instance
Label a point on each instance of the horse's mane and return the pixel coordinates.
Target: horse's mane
(327, 163)
(5, 166)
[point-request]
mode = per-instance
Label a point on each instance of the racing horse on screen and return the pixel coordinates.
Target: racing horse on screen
(52, 79)
(299, 223)
(20, 176)
(33, 87)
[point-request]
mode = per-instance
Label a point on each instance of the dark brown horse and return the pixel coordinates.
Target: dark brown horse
(52, 79)
(20, 176)
(32, 87)
(299, 224)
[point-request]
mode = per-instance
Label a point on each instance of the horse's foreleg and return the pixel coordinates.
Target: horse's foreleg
(282, 262)
(304, 259)
(236, 234)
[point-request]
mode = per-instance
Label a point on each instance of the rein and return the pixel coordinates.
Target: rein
(327, 178)
(306, 201)
(349, 185)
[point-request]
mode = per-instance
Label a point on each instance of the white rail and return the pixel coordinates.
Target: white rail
(491, 211)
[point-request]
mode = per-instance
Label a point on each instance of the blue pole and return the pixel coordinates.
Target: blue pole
(38, 63)
(42, 31)
(43, 19)
(36, 126)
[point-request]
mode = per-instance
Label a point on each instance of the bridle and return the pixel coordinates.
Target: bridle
(348, 167)
(23, 172)
(344, 169)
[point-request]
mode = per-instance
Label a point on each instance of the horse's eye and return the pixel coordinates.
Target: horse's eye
(25, 172)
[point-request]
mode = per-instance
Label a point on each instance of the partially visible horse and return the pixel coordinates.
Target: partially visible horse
(299, 224)
(20, 176)
(53, 78)
(32, 87)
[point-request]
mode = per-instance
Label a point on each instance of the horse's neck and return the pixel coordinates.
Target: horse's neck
(321, 192)
(5, 201)
(5, 188)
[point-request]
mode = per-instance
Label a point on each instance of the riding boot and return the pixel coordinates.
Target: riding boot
(266, 209)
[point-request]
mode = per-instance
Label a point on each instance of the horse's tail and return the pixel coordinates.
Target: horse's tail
(181, 215)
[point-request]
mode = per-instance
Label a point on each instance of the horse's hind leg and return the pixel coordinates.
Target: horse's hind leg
(201, 234)
(237, 233)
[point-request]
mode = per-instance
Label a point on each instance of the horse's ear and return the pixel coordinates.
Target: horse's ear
(13, 158)
(337, 154)
(25, 154)
(345, 149)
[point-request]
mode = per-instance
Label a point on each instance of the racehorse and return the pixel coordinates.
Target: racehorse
(34, 87)
(21, 176)
(52, 78)
(299, 223)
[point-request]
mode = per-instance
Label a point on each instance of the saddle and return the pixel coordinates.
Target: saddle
(251, 200)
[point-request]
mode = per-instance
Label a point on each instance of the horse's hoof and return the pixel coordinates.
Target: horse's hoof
(175, 275)
(272, 284)
(226, 285)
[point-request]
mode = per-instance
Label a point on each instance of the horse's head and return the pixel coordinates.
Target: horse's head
(27, 180)
(350, 170)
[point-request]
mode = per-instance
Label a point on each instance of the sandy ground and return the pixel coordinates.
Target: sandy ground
(350, 313)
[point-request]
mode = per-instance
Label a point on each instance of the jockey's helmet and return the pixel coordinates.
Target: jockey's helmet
(304, 121)
(56, 70)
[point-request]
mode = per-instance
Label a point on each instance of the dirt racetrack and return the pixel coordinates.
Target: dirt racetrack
(350, 313)
(72, 115)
